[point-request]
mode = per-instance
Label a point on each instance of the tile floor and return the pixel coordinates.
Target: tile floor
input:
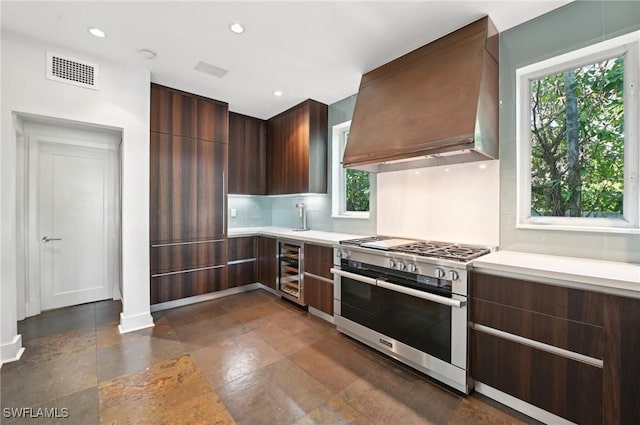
(248, 359)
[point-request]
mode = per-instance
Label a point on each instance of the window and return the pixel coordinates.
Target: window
(577, 139)
(350, 188)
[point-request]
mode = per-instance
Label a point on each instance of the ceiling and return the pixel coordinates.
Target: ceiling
(315, 50)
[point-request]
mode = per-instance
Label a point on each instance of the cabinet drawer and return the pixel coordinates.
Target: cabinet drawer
(565, 303)
(241, 248)
(318, 260)
(567, 334)
(169, 258)
(242, 273)
(187, 284)
(318, 293)
(562, 386)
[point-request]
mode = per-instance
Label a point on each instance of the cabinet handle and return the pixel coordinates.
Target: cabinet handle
(224, 206)
(539, 345)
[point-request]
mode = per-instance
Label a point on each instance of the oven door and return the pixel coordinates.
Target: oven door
(359, 299)
(431, 321)
(417, 322)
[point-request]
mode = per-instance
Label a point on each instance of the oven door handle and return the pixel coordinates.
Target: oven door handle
(421, 294)
(354, 276)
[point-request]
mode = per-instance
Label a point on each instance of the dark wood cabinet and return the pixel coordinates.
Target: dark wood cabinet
(172, 112)
(247, 155)
(187, 189)
(318, 280)
(267, 261)
(606, 328)
(297, 150)
(187, 195)
(562, 386)
(213, 121)
(182, 285)
(621, 361)
(242, 260)
(168, 258)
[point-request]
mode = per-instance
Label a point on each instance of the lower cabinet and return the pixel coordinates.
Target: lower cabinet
(571, 352)
(621, 389)
(562, 386)
(186, 269)
(318, 280)
(183, 284)
(267, 259)
(242, 262)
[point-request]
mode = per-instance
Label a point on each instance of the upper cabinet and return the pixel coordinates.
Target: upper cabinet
(247, 155)
(173, 112)
(297, 150)
(212, 120)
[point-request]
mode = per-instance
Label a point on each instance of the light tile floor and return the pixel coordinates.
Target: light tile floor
(248, 359)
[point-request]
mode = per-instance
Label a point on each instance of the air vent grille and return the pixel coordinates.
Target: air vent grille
(72, 71)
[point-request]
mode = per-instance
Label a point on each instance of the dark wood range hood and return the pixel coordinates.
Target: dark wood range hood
(436, 105)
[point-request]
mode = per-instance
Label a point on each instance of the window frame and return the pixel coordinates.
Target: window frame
(338, 176)
(627, 45)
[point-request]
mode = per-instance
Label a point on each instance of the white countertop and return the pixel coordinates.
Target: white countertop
(597, 275)
(314, 236)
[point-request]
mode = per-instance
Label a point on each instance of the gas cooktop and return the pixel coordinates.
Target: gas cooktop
(445, 250)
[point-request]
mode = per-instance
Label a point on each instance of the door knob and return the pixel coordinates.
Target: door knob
(48, 239)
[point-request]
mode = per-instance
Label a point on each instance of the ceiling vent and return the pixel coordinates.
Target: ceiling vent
(72, 71)
(207, 68)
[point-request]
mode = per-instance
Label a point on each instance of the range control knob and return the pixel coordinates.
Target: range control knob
(401, 265)
(342, 254)
(452, 275)
(439, 273)
(392, 264)
(411, 268)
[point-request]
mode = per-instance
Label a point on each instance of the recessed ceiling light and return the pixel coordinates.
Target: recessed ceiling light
(277, 93)
(147, 53)
(236, 28)
(97, 32)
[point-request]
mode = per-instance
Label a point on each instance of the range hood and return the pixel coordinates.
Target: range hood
(436, 105)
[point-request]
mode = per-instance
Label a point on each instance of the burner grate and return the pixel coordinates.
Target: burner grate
(443, 250)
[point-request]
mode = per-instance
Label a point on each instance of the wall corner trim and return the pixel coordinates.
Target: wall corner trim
(135, 322)
(11, 351)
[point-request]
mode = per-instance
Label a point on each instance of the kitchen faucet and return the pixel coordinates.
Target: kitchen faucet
(302, 213)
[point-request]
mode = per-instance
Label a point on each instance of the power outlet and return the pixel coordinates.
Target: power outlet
(233, 213)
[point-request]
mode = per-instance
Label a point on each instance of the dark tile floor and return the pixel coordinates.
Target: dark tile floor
(248, 359)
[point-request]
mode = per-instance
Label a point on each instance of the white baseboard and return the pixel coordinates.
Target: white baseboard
(11, 351)
(521, 406)
(321, 314)
(205, 297)
(135, 322)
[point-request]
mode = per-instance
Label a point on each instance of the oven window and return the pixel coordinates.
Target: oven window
(422, 324)
(360, 303)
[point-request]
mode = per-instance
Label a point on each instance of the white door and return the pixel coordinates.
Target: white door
(75, 208)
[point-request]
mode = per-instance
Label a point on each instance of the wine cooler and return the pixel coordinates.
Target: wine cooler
(290, 276)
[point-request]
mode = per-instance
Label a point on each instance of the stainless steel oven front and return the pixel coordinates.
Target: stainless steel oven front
(413, 316)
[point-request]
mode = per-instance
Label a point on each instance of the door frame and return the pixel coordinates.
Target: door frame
(36, 134)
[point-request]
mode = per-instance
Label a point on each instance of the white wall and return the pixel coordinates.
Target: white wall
(457, 203)
(121, 103)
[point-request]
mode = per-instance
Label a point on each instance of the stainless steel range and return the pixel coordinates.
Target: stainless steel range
(407, 299)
